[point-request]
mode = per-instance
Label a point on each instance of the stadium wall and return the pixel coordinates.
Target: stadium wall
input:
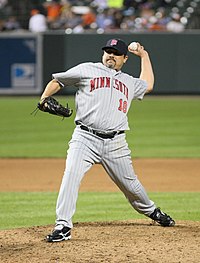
(175, 58)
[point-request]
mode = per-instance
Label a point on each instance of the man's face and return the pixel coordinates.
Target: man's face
(113, 59)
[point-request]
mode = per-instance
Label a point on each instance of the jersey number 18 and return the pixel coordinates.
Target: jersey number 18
(122, 106)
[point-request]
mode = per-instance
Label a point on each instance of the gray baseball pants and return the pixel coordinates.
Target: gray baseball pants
(86, 149)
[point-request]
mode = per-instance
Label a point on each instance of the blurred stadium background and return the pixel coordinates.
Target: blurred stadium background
(102, 15)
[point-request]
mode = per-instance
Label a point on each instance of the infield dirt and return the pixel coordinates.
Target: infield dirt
(136, 241)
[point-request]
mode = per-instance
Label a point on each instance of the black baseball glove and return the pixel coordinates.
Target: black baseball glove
(52, 106)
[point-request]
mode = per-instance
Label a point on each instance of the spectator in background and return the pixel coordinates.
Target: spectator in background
(54, 10)
(128, 22)
(71, 20)
(12, 24)
(155, 25)
(146, 13)
(162, 16)
(118, 18)
(105, 19)
(88, 19)
(2, 25)
(37, 22)
(175, 24)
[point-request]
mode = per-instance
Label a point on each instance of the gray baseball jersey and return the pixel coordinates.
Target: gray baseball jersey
(103, 99)
(104, 95)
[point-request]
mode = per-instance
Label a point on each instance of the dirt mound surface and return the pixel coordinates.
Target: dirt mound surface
(157, 175)
(120, 242)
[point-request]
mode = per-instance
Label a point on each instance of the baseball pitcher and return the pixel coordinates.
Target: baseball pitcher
(103, 98)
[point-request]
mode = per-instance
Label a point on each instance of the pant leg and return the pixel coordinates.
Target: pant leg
(118, 164)
(79, 160)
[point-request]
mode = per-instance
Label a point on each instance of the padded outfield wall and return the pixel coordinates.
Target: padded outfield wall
(175, 57)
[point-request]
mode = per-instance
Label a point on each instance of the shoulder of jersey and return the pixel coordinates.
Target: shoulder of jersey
(91, 65)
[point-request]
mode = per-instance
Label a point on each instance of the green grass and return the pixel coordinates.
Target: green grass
(33, 209)
(160, 127)
(165, 127)
(26, 135)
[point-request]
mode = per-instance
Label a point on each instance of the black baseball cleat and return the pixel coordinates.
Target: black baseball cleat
(60, 233)
(162, 218)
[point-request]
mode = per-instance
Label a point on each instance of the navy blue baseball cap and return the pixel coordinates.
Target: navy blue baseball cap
(118, 45)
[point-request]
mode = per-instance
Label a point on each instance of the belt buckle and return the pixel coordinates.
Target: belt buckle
(91, 130)
(100, 133)
(109, 135)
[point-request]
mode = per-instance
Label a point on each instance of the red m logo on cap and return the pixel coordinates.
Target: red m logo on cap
(113, 42)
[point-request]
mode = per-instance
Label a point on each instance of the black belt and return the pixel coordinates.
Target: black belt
(104, 135)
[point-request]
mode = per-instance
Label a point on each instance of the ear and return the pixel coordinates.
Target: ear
(125, 59)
